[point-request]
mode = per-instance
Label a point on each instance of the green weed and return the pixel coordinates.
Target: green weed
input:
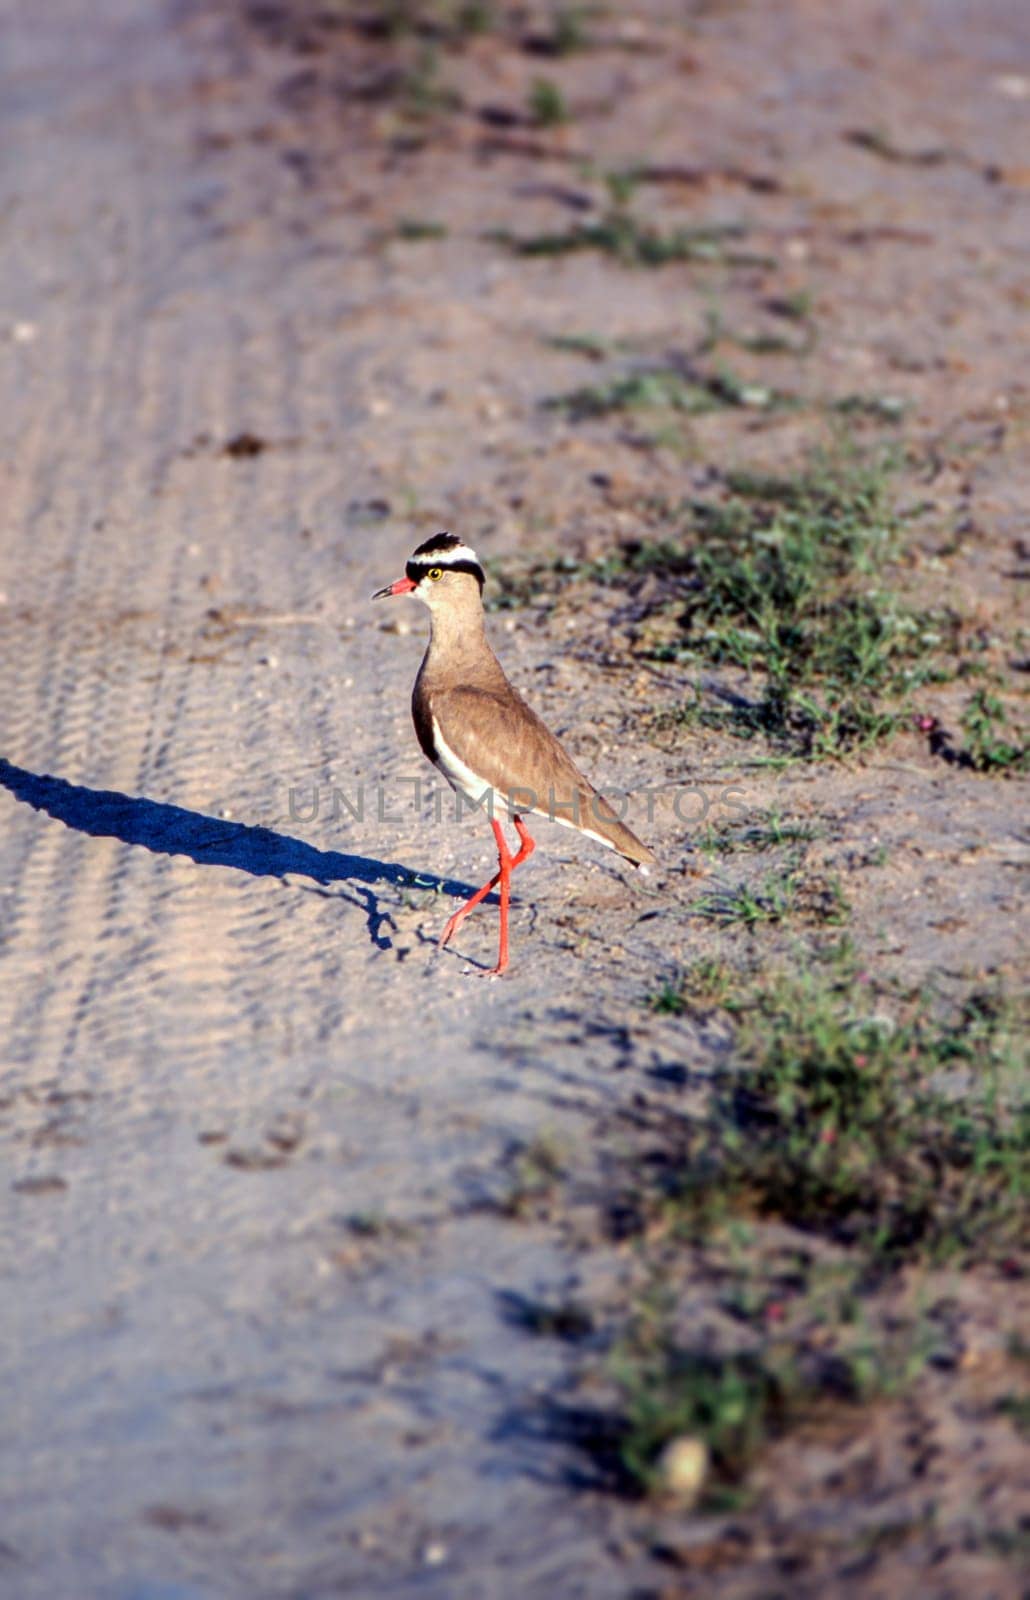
(636, 244)
(668, 999)
(806, 1358)
(707, 982)
(759, 344)
(534, 1171)
(375, 1225)
(569, 31)
(836, 1116)
(666, 388)
(474, 17)
(734, 1403)
(422, 94)
(1012, 1544)
(591, 345)
(1017, 1407)
(771, 900)
(884, 1128)
(416, 229)
(879, 143)
(785, 578)
(732, 838)
(796, 307)
(875, 407)
(444, 21)
(987, 747)
(547, 105)
(661, 389)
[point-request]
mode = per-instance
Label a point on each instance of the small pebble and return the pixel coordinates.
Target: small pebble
(683, 1468)
(1013, 85)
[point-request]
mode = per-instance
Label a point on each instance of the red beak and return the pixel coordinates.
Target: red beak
(402, 586)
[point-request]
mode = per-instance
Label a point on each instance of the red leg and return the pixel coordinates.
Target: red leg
(526, 844)
(506, 859)
(508, 863)
(506, 866)
(462, 912)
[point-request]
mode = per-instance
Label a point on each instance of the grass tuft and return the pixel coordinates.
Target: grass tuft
(883, 1135)
(667, 388)
(534, 1171)
(416, 229)
(781, 895)
(732, 838)
(988, 747)
(569, 32)
(733, 1403)
(547, 105)
(785, 578)
(636, 244)
(708, 982)
(840, 1116)
(810, 1354)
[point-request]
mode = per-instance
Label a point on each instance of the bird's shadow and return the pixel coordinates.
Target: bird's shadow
(214, 842)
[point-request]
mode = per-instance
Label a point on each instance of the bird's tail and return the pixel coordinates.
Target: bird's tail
(611, 830)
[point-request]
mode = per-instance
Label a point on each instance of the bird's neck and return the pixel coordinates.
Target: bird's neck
(454, 628)
(458, 646)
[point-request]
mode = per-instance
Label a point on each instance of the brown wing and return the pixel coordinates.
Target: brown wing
(504, 742)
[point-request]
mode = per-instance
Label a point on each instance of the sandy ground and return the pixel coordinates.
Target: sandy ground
(255, 1337)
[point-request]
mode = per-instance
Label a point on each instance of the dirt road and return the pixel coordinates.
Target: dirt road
(224, 1048)
(257, 1328)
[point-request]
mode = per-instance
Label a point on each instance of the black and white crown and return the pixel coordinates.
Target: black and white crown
(444, 550)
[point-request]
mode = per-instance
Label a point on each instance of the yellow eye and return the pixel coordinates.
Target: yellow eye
(434, 574)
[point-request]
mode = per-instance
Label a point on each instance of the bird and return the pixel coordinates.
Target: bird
(478, 731)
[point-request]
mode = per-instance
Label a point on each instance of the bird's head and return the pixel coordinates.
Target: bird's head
(443, 573)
